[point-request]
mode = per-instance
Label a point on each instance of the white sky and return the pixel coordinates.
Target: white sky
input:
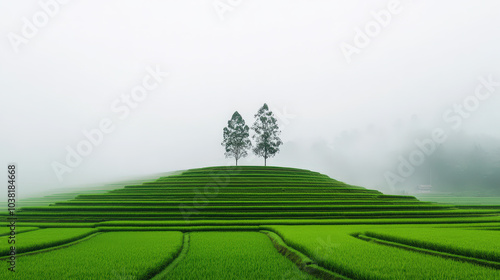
(283, 52)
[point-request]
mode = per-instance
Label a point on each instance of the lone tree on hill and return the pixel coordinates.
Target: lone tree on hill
(266, 134)
(236, 138)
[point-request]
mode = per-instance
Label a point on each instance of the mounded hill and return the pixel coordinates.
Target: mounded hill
(239, 193)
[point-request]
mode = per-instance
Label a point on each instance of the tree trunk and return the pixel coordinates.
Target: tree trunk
(236, 161)
(265, 156)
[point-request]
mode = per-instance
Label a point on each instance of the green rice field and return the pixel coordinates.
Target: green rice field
(251, 223)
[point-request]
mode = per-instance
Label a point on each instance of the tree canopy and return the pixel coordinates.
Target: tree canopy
(236, 138)
(267, 140)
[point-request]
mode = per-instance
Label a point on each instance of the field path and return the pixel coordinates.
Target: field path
(233, 255)
(177, 260)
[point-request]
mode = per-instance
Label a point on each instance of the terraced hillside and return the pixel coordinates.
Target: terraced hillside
(251, 223)
(241, 193)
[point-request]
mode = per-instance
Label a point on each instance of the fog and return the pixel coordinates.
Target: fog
(350, 104)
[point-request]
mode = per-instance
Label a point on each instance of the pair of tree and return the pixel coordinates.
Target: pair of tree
(237, 137)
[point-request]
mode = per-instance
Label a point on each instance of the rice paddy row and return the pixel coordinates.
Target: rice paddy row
(249, 255)
(233, 255)
(43, 238)
(334, 248)
(116, 255)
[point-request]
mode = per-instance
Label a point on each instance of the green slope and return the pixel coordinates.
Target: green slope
(241, 193)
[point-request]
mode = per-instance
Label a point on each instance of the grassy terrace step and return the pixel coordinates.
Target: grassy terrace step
(243, 185)
(249, 170)
(237, 192)
(236, 197)
(219, 192)
(242, 179)
(245, 177)
(241, 190)
(6, 230)
(232, 193)
(284, 196)
(339, 197)
(55, 221)
(451, 222)
(228, 203)
(216, 195)
(268, 214)
(262, 176)
(238, 207)
(192, 200)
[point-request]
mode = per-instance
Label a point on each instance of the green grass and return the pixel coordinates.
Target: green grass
(148, 203)
(334, 248)
(175, 208)
(6, 230)
(74, 224)
(260, 215)
(234, 255)
(472, 243)
(462, 200)
(452, 222)
(181, 228)
(237, 193)
(43, 238)
(116, 255)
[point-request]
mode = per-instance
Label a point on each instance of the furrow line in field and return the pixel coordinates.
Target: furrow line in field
(445, 255)
(177, 259)
(62, 246)
(301, 260)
